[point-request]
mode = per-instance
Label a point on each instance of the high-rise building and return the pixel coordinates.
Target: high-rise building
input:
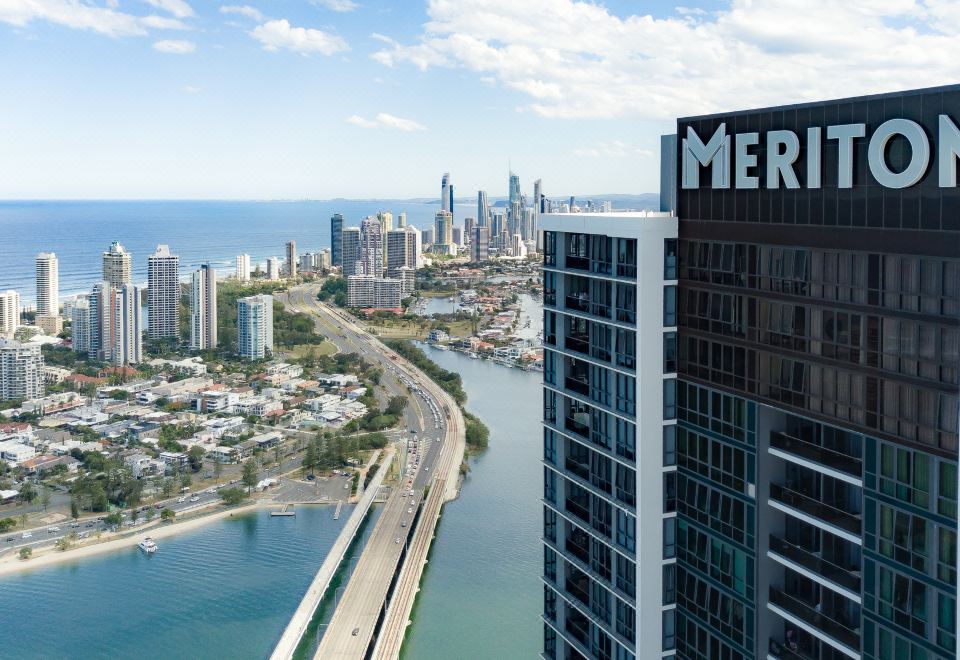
(9, 313)
(403, 250)
(243, 267)
(80, 325)
(514, 191)
(323, 259)
(113, 332)
(351, 250)
(468, 226)
(443, 233)
(48, 285)
(371, 292)
(457, 235)
(401, 220)
(336, 239)
(21, 371)
(273, 269)
(497, 223)
(291, 259)
(371, 247)
(163, 294)
(386, 226)
(483, 209)
(427, 236)
(255, 327)
(203, 308)
(446, 193)
(539, 208)
(117, 265)
(480, 245)
(608, 419)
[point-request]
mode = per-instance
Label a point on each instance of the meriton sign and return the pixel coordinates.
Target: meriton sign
(783, 150)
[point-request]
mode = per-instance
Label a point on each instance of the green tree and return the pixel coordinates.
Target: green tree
(150, 513)
(25, 553)
(217, 467)
(114, 520)
(45, 496)
(28, 493)
(74, 508)
(277, 454)
(232, 496)
(6, 524)
(185, 481)
(134, 514)
(311, 457)
(168, 515)
(250, 474)
(166, 488)
(62, 544)
(195, 456)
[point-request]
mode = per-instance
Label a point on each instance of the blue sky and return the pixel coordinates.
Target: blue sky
(366, 98)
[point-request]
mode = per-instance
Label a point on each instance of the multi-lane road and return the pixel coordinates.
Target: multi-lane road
(434, 456)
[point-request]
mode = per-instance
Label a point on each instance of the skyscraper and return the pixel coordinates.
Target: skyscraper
(539, 208)
(163, 294)
(401, 220)
(443, 233)
(203, 308)
(291, 259)
(403, 248)
(371, 247)
(386, 226)
(117, 265)
(608, 418)
(350, 254)
(255, 327)
(483, 209)
(336, 239)
(514, 190)
(48, 285)
(480, 244)
(80, 320)
(21, 371)
(243, 267)
(273, 269)
(113, 332)
(468, 226)
(446, 193)
(9, 313)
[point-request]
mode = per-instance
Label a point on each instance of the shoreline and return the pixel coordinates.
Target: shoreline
(12, 564)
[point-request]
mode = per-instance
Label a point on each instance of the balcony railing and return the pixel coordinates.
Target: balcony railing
(599, 309)
(814, 507)
(582, 470)
(579, 386)
(812, 452)
(577, 262)
(578, 303)
(782, 651)
(849, 579)
(808, 613)
(580, 344)
(578, 428)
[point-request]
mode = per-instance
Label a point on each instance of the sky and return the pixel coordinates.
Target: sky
(320, 99)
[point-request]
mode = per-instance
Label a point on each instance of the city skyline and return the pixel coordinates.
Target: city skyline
(215, 99)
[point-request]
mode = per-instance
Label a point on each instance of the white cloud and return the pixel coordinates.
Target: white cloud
(573, 58)
(336, 5)
(614, 149)
(383, 120)
(175, 47)
(72, 14)
(163, 23)
(278, 34)
(191, 89)
(178, 8)
(242, 10)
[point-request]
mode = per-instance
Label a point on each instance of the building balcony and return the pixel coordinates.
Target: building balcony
(780, 651)
(576, 427)
(806, 612)
(848, 579)
(578, 302)
(577, 343)
(576, 262)
(815, 508)
(578, 386)
(818, 454)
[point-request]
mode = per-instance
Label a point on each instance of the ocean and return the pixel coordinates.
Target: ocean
(198, 231)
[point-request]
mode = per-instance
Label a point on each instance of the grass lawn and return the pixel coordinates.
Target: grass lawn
(436, 293)
(302, 350)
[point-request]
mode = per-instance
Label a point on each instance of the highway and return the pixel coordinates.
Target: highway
(434, 458)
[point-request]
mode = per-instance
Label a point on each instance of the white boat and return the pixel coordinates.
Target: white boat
(147, 545)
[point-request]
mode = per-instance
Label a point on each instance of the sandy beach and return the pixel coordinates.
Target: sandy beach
(51, 557)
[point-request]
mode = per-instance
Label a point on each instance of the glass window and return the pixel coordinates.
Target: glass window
(626, 531)
(669, 352)
(669, 306)
(670, 398)
(670, 259)
(669, 445)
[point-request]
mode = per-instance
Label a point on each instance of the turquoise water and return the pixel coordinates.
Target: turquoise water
(481, 594)
(226, 590)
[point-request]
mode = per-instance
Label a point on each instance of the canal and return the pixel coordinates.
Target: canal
(481, 591)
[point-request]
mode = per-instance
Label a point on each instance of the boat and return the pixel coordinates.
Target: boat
(147, 545)
(473, 356)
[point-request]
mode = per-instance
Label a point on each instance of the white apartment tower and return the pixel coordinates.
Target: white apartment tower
(203, 308)
(21, 371)
(48, 285)
(243, 267)
(273, 269)
(443, 233)
(255, 327)
(371, 247)
(9, 313)
(80, 324)
(126, 345)
(117, 265)
(350, 251)
(163, 293)
(403, 249)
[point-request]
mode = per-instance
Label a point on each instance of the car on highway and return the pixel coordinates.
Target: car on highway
(74, 524)
(356, 631)
(195, 498)
(410, 510)
(26, 535)
(345, 486)
(181, 500)
(51, 530)
(397, 540)
(403, 523)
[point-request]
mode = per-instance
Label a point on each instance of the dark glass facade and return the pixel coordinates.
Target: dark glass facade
(818, 349)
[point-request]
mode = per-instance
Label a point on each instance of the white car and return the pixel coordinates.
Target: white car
(26, 535)
(181, 500)
(397, 541)
(53, 529)
(195, 498)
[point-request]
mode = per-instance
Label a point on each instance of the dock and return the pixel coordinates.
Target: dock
(287, 510)
(336, 514)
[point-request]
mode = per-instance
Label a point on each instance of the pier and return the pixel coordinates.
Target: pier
(336, 514)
